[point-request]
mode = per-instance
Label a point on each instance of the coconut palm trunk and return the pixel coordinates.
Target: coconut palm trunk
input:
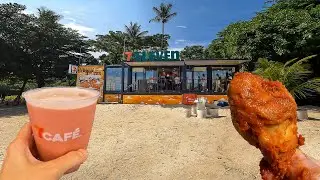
(162, 36)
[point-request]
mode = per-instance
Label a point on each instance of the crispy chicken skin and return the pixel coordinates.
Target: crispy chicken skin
(264, 114)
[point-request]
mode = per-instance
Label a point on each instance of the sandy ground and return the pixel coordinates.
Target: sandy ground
(154, 142)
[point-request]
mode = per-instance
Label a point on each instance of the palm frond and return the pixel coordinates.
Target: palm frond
(155, 19)
(143, 33)
(169, 6)
(156, 10)
(301, 61)
(127, 29)
(170, 16)
(306, 89)
(263, 64)
(293, 74)
(269, 69)
(290, 61)
(298, 70)
(134, 31)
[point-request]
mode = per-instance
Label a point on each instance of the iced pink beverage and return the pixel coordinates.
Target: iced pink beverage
(61, 119)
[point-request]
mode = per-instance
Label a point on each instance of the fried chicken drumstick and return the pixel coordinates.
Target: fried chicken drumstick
(264, 114)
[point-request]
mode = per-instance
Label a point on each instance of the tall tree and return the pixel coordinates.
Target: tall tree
(155, 42)
(36, 47)
(163, 15)
(113, 44)
(16, 30)
(287, 29)
(193, 52)
(227, 43)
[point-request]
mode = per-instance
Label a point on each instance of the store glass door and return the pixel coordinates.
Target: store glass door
(152, 79)
(200, 79)
(137, 78)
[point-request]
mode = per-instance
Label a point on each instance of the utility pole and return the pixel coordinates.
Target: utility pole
(80, 56)
(124, 48)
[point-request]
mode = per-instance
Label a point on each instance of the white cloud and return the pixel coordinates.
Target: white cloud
(197, 44)
(84, 30)
(175, 49)
(183, 27)
(178, 41)
(97, 54)
(70, 19)
(66, 12)
(27, 12)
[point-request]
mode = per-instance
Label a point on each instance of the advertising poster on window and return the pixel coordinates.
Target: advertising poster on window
(91, 77)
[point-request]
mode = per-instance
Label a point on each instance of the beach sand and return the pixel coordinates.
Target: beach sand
(155, 142)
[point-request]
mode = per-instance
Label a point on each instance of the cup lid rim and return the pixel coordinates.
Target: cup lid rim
(25, 94)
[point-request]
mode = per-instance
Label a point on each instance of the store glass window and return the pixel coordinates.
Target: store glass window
(189, 80)
(221, 78)
(200, 79)
(137, 79)
(113, 79)
(125, 79)
(197, 79)
(169, 79)
(152, 79)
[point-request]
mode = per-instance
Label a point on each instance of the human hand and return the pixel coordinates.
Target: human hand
(20, 162)
(302, 167)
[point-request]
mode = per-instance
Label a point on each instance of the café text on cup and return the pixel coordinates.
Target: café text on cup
(56, 137)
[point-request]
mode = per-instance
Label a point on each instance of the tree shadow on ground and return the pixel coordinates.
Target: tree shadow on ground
(311, 119)
(310, 108)
(176, 106)
(8, 112)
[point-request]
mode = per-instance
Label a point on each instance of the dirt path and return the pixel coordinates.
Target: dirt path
(153, 142)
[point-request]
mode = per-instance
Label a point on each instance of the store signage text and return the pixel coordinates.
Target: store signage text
(153, 56)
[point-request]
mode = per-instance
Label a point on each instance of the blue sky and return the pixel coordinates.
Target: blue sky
(197, 23)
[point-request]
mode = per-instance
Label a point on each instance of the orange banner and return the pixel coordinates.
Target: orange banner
(91, 77)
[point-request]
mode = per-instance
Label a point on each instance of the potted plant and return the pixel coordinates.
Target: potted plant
(295, 75)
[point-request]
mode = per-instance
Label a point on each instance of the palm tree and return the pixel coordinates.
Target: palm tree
(163, 15)
(294, 74)
(135, 34)
(134, 30)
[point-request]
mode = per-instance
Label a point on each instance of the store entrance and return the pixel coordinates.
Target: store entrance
(156, 79)
(169, 79)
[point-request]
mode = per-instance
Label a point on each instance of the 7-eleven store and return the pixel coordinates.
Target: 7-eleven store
(161, 82)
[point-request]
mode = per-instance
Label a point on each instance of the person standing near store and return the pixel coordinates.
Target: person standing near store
(203, 83)
(166, 81)
(162, 81)
(229, 80)
(169, 79)
(218, 83)
(199, 83)
(177, 82)
(226, 82)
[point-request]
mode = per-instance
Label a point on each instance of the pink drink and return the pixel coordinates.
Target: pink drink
(61, 119)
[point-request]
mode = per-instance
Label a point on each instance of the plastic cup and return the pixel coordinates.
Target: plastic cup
(61, 119)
